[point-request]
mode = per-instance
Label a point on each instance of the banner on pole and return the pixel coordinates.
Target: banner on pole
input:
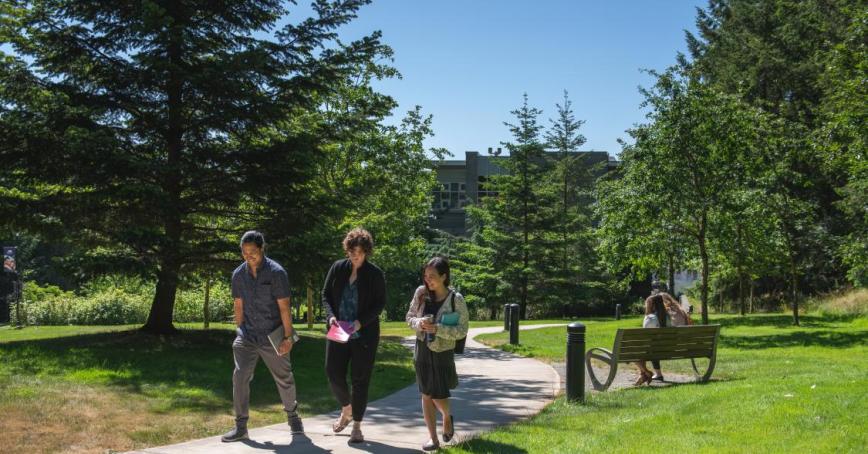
(9, 263)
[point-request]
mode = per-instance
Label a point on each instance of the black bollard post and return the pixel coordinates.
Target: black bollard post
(576, 362)
(513, 323)
(506, 317)
(617, 312)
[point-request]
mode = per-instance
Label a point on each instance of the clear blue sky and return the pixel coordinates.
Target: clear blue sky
(468, 62)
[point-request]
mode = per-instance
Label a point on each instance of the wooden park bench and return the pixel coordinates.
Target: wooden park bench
(646, 344)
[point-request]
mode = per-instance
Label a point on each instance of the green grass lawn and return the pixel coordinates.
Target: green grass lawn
(776, 388)
(93, 388)
(96, 388)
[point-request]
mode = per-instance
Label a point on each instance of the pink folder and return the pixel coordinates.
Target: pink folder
(340, 332)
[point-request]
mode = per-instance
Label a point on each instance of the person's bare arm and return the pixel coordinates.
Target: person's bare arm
(239, 311)
(286, 318)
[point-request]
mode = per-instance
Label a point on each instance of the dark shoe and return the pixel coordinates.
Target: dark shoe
(658, 378)
(295, 425)
(431, 446)
(447, 437)
(236, 434)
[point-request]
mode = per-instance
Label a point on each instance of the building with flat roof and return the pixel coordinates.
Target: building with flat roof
(462, 182)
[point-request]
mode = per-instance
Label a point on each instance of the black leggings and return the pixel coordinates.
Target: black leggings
(656, 364)
(359, 353)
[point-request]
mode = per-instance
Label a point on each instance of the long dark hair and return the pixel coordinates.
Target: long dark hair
(658, 308)
(441, 264)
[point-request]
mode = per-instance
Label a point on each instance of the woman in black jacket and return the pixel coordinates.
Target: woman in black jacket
(354, 292)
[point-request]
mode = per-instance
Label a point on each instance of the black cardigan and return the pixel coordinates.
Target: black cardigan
(371, 283)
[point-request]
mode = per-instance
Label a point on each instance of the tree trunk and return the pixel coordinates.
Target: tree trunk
(565, 167)
(163, 306)
(740, 261)
(309, 307)
(750, 300)
(207, 308)
(671, 273)
(525, 253)
(703, 254)
(160, 318)
(492, 313)
(794, 289)
(790, 239)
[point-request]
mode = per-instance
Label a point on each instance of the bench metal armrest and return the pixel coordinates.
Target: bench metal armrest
(607, 357)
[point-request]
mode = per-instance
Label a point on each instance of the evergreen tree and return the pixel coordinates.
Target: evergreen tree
(125, 126)
(508, 224)
(572, 270)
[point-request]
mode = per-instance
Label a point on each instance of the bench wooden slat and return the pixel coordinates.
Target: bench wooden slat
(649, 336)
(664, 348)
(668, 339)
(668, 342)
(665, 345)
(663, 340)
(704, 351)
(659, 357)
(675, 354)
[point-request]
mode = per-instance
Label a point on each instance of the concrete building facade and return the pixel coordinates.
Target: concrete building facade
(462, 182)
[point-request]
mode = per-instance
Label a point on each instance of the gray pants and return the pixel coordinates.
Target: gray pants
(246, 355)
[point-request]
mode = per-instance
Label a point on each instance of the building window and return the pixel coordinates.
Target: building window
(484, 188)
(450, 196)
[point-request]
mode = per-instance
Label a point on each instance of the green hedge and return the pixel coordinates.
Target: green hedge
(116, 304)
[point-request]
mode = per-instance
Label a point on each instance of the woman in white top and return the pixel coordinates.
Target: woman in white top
(661, 310)
(434, 358)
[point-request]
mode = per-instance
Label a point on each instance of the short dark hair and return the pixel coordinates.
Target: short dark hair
(359, 237)
(253, 236)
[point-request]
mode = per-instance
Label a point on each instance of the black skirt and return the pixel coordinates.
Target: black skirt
(435, 371)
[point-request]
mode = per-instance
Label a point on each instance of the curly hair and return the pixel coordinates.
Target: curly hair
(359, 237)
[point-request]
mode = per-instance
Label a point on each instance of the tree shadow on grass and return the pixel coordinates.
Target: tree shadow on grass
(192, 370)
(825, 338)
(488, 446)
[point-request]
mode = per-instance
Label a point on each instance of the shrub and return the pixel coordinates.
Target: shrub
(189, 304)
(853, 302)
(111, 307)
(55, 311)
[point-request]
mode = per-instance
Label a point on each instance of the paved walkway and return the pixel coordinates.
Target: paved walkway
(495, 388)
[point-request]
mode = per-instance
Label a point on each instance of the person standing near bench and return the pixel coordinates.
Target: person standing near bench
(434, 358)
(260, 289)
(354, 292)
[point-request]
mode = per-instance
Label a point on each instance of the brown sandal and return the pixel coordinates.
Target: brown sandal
(340, 424)
(643, 378)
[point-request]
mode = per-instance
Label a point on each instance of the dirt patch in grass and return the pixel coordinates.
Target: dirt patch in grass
(96, 419)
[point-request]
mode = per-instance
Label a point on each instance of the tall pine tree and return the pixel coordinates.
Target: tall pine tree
(572, 267)
(509, 224)
(126, 126)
